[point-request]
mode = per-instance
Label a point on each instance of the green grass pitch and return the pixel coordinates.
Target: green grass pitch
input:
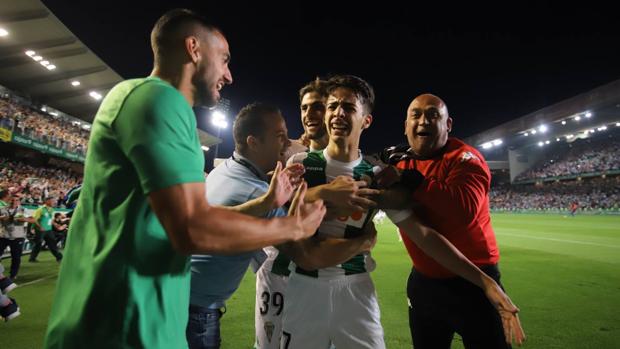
(563, 273)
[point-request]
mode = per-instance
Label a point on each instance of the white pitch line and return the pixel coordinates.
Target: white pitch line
(35, 281)
(559, 240)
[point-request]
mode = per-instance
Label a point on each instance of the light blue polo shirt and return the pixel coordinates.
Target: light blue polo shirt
(214, 277)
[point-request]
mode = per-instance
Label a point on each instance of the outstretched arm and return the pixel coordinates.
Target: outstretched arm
(194, 226)
(441, 250)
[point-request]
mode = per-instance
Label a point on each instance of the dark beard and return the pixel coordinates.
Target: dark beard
(203, 98)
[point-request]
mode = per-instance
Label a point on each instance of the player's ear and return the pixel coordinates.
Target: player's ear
(367, 121)
(251, 141)
(192, 47)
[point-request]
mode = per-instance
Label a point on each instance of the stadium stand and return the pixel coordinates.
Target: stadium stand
(581, 157)
(585, 172)
(566, 155)
(56, 131)
(591, 194)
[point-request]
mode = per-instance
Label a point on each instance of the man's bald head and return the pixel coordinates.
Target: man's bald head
(427, 125)
(430, 99)
(170, 31)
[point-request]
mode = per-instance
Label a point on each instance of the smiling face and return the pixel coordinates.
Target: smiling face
(427, 125)
(212, 71)
(313, 115)
(261, 136)
(272, 144)
(345, 117)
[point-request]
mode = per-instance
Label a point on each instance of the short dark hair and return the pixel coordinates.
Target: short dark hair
(317, 85)
(173, 25)
(359, 86)
(251, 122)
(3, 192)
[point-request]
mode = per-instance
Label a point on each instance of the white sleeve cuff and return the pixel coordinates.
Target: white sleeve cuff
(397, 216)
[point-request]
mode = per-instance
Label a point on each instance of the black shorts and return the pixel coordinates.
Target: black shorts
(441, 307)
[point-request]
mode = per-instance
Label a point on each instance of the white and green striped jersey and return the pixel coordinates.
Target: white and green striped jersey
(276, 261)
(321, 169)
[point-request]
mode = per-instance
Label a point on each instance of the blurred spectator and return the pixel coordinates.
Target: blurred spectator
(13, 219)
(43, 220)
(60, 226)
(31, 184)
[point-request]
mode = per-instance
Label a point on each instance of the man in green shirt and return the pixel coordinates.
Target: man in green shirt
(142, 209)
(43, 217)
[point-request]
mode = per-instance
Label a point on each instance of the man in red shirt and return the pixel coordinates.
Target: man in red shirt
(573, 208)
(448, 181)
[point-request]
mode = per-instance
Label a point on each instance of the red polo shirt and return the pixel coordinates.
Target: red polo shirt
(453, 199)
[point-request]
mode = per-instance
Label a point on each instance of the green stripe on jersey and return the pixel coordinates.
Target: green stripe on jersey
(315, 165)
(281, 265)
(355, 265)
(320, 169)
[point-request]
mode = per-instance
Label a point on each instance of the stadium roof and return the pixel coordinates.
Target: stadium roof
(32, 27)
(576, 117)
(43, 60)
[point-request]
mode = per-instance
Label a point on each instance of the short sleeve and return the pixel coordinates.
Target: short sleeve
(37, 214)
(156, 130)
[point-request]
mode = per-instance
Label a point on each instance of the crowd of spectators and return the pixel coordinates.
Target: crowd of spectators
(579, 157)
(57, 131)
(32, 184)
(588, 194)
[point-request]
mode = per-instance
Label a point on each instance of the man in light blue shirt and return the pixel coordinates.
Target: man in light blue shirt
(261, 139)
